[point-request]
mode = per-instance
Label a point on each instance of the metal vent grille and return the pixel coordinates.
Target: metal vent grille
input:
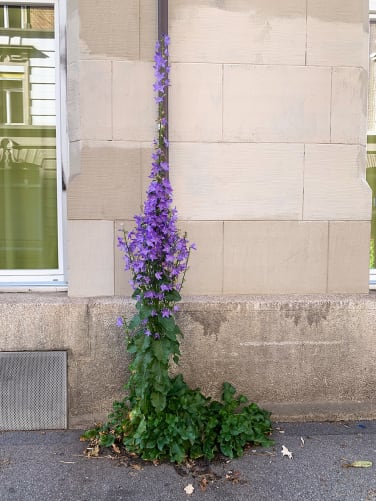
(33, 390)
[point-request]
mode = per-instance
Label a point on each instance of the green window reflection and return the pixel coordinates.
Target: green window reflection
(15, 17)
(371, 180)
(28, 180)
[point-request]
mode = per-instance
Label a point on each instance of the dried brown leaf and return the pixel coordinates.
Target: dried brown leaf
(204, 484)
(92, 452)
(136, 466)
(233, 476)
(115, 449)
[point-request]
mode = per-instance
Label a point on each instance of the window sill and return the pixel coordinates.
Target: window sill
(34, 287)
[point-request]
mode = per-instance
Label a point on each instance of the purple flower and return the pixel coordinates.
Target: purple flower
(119, 321)
(165, 287)
(154, 249)
(166, 313)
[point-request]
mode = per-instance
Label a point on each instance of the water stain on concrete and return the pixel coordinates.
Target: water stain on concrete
(210, 324)
(312, 314)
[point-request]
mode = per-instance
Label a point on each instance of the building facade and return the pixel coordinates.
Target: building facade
(268, 142)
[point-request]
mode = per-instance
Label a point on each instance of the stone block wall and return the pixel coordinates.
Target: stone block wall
(111, 115)
(267, 129)
(266, 145)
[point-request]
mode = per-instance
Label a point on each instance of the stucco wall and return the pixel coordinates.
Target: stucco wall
(268, 133)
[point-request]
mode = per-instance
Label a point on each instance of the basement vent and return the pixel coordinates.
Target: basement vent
(33, 390)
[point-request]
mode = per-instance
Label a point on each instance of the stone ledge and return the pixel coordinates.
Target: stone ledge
(326, 411)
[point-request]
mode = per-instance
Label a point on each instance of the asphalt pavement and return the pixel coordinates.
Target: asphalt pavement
(330, 461)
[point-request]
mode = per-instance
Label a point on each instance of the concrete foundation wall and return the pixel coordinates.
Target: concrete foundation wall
(310, 357)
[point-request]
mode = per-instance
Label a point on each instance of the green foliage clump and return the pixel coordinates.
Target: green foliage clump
(162, 418)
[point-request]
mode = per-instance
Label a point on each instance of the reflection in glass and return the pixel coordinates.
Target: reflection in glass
(11, 101)
(371, 180)
(1, 16)
(28, 189)
(14, 14)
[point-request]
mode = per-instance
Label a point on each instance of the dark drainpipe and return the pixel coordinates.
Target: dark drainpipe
(163, 30)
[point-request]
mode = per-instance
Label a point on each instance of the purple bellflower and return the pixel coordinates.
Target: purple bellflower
(154, 251)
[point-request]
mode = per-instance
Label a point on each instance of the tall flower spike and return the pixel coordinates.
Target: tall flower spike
(154, 251)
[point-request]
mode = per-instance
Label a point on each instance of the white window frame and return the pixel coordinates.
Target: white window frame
(49, 279)
(372, 17)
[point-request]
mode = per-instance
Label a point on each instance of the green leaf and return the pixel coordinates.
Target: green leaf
(159, 350)
(168, 324)
(228, 393)
(146, 342)
(132, 348)
(173, 296)
(158, 401)
(89, 434)
(177, 452)
(227, 450)
(145, 311)
(135, 322)
(162, 441)
(107, 440)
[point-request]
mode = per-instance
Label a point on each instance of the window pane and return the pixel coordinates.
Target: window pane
(28, 181)
(3, 106)
(371, 179)
(11, 98)
(14, 16)
(16, 107)
(1, 17)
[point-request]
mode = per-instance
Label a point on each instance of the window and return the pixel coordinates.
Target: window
(13, 16)
(31, 144)
(11, 101)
